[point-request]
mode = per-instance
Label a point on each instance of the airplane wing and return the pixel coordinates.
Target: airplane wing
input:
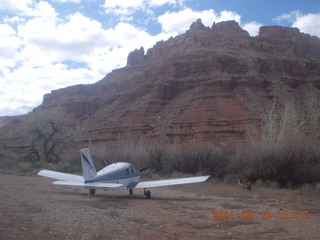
(60, 176)
(168, 182)
(75, 180)
(89, 185)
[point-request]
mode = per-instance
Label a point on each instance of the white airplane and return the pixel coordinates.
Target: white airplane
(119, 176)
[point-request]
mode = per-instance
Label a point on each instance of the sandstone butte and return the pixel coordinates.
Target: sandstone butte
(207, 85)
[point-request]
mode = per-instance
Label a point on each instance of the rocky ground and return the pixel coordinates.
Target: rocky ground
(33, 208)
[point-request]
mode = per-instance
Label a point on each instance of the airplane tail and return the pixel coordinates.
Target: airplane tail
(89, 171)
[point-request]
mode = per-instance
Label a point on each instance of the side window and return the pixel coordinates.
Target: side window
(131, 170)
(128, 171)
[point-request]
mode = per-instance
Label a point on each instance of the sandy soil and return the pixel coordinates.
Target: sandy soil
(33, 208)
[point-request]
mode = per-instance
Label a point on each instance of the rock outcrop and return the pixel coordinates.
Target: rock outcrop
(207, 85)
(136, 57)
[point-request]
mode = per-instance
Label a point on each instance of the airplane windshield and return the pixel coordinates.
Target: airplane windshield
(130, 170)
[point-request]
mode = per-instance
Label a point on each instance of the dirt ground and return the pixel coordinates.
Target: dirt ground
(33, 208)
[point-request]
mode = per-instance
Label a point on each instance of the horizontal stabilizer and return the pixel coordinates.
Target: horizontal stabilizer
(61, 176)
(169, 182)
(89, 185)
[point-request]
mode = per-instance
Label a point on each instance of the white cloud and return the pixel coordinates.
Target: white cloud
(42, 9)
(18, 6)
(64, 1)
(228, 15)
(6, 30)
(28, 8)
(33, 56)
(287, 17)
(24, 87)
(309, 23)
(252, 28)
(122, 7)
(9, 42)
(158, 3)
(13, 20)
(122, 4)
(136, 4)
(126, 8)
(181, 21)
(72, 39)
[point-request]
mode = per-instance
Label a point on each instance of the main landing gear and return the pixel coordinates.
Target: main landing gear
(92, 192)
(147, 193)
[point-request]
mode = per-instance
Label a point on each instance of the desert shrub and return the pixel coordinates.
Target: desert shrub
(290, 164)
(203, 158)
(218, 162)
(162, 158)
(158, 158)
(63, 166)
(24, 167)
(10, 163)
(189, 159)
(281, 152)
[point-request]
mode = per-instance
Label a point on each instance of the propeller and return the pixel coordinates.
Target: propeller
(143, 169)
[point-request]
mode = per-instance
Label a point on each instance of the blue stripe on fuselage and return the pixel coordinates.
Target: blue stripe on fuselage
(112, 177)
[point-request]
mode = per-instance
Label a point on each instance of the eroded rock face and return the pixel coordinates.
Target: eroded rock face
(207, 85)
(136, 57)
(229, 29)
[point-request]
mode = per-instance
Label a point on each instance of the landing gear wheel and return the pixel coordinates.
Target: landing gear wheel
(92, 192)
(131, 191)
(148, 194)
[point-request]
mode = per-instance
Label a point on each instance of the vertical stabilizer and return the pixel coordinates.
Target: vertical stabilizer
(89, 171)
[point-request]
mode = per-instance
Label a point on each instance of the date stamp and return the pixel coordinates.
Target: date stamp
(264, 215)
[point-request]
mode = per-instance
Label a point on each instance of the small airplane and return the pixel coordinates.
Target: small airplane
(120, 175)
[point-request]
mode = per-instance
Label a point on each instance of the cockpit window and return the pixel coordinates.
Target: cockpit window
(130, 170)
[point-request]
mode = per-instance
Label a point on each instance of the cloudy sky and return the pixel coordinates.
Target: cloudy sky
(51, 44)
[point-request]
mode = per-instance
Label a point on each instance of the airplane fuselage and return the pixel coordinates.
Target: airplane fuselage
(118, 173)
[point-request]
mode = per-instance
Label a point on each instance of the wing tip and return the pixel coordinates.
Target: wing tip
(206, 178)
(41, 172)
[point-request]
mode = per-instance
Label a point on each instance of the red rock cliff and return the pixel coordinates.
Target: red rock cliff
(207, 85)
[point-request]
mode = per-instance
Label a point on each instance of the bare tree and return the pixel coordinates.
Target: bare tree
(47, 139)
(313, 111)
(281, 151)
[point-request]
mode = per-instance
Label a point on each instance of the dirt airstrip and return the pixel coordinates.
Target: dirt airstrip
(33, 208)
